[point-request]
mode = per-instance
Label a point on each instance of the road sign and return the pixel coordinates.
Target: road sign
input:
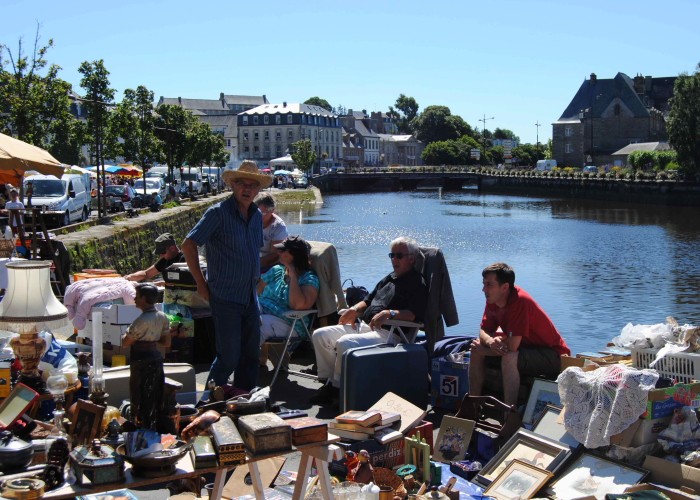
(475, 153)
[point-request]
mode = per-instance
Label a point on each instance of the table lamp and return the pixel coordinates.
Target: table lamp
(28, 307)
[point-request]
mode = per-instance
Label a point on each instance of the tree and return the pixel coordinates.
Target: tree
(684, 121)
(406, 110)
(99, 96)
(303, 154)
(133, 121)
(436, 123)
(340, 110)
(452, 152)
(317, 101)
(173, 124)
(504, 133)
(35, 108)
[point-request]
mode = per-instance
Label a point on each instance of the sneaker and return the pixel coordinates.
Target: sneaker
(326, 394)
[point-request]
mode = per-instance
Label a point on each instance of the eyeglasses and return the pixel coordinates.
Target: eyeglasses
(397, 255)
(247, 185)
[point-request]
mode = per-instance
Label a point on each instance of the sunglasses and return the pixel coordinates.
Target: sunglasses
(397, 255)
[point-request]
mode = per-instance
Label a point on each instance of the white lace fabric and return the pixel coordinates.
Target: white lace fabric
(604, 402)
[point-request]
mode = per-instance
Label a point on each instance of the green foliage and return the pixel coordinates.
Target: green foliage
(684, 121)
(98, 96)
(452, 152)
(172, 126)
(651, 160)
(304, 155)
(404, 113)
(504, 133)
(436, 123)
(35, 107)
(317, 101)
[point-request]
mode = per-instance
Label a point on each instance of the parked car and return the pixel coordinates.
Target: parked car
(300, 181)
(152, 184)
(116, 196)
(591, 169)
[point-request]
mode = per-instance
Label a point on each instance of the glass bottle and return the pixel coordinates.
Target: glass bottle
(57, 384)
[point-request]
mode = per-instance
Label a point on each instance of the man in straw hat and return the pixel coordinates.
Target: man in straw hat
(231, 232)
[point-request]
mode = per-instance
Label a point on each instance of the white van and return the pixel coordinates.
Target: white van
(63, 201)
(194, 176)
(546, 164)
(162, 171)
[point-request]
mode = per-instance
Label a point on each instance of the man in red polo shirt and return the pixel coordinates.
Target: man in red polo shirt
(516, 331)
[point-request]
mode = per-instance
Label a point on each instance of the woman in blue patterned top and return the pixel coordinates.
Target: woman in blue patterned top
(291, 284)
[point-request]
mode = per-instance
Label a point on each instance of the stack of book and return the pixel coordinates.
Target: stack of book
(370, 424)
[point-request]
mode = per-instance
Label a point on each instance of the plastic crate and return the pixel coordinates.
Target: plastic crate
(682, 367)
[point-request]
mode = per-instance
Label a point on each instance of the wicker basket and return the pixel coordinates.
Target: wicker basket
(682, 366)
(6, 248)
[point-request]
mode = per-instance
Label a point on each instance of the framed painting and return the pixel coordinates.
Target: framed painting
(550, 425)
(518, 480)
(543, 392)
(527, 447)
(453, 439)
(86, 422)
(591, 475)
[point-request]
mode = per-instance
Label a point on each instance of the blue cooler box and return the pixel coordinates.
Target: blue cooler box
(450, 382)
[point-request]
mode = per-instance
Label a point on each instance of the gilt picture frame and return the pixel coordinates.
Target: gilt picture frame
(86, 422)
(519, 480)
(527, 447)
(550, 425)
(593, 475)
(543, 392)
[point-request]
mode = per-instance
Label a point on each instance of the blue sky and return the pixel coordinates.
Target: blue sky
(517, 61)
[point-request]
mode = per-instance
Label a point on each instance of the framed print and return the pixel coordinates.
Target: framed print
(86, 422)
(518, 480)
(550, 425)
(528, 447)
(591, 475)
(453, 439)
(543, 392)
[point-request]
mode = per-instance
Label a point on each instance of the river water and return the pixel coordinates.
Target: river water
(593, 266)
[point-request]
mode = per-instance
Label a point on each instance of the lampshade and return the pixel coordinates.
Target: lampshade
(29, 301)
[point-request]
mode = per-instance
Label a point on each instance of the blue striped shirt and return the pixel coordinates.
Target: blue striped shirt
(233, 250)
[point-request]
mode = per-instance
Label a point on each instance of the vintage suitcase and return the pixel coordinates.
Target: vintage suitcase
(265, 433)
(178, 275)
(202, 452)
(307, 430)
(367, 373)
(228, 442)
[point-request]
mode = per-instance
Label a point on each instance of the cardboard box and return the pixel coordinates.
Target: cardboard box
(673, 494)
(672, 474)
(450, 382)
(662, 402)
(111, 333)
(648, 430)
(118, 314)
(109, 350)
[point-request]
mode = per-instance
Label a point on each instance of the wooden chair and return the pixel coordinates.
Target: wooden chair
(490, 414)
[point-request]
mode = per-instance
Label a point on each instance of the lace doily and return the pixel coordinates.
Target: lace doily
(603, 402)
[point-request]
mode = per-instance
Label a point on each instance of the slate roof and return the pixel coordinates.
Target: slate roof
(395, 138)
(596, 94)
(362, 130)
(256, 100)
(643, 146)
(294, 107)
(200, 104)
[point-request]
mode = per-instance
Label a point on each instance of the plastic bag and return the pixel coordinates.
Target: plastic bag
(644, 336)
(56, 356)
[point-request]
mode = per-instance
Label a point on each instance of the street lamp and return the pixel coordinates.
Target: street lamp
(537, 146)
(483, 132)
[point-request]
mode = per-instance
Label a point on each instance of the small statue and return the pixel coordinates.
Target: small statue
(84, 363)
(351, 462)
(363, 472)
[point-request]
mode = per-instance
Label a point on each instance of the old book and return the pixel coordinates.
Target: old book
(202, 452)
(354, 435)
(308, 430)
(351, 427)
(387, 435)
(265, 433)
(389, 417)
(365, 418)
(411, 415)
(226, 437)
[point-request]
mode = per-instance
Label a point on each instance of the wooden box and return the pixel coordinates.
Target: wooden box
(307, 430)
(265, 433)
(202, 452)
(228, 442)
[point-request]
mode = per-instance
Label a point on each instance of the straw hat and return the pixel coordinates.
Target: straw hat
(247, 170)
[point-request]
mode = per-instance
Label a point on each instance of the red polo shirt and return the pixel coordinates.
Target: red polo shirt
(523, 317)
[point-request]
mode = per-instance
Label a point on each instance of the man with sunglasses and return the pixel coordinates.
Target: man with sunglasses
(400, 295)
(169, 253)
(231, 233)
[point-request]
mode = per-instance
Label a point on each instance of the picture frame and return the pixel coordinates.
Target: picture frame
(527, 447)
(543, 392)
(86, 422)
(453, 439)
(550, 425)
(593, 475)
(518, 480)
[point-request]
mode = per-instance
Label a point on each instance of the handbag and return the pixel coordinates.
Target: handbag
(354, 294)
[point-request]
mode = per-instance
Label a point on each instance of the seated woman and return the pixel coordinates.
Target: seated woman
(291, 284)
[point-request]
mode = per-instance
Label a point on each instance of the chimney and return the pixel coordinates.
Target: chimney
(179, 101)
(265, 99)
(647, 83)
(639, 84)
(364, 112)
(221, 96)
(594, 78)
(284, 104)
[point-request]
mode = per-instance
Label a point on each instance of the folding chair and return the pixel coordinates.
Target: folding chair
(324, 262)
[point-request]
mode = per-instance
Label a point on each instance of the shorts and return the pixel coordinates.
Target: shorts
(533, 362)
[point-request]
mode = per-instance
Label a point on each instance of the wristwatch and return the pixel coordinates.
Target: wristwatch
(392, 313)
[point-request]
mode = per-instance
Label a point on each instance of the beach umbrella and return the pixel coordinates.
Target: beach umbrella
(18, 157)
(282, 172)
